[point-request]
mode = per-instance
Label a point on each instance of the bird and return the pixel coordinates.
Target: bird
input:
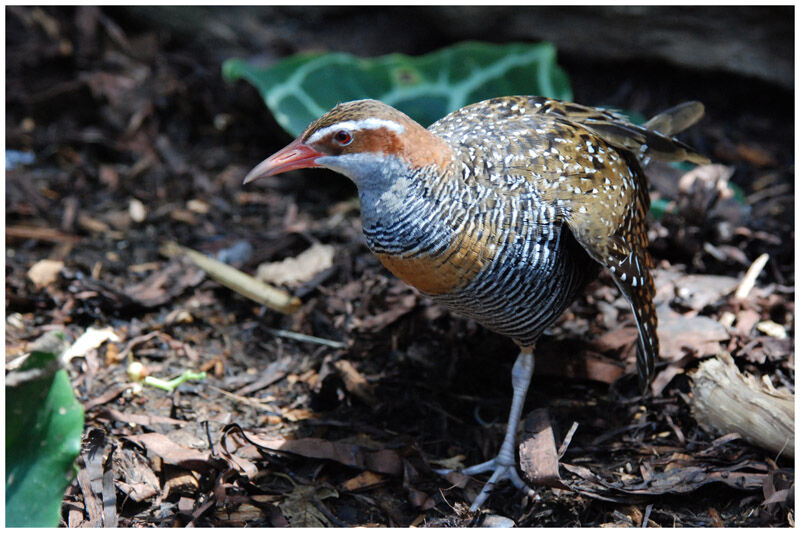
(502, 211)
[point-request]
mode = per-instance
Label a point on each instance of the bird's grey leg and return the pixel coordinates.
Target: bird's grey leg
(504, 465)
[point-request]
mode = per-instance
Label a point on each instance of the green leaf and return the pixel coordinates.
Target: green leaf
(44, 423)
(738, 193)
(302, 87)
(662, 206)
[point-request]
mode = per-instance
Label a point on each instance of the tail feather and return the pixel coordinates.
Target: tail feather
(676, 119)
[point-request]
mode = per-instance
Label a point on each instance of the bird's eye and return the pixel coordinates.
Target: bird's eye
(343, 137)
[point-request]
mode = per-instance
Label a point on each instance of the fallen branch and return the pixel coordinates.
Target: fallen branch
(725, 401)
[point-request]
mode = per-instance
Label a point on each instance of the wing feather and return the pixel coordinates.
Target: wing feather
(585, 162)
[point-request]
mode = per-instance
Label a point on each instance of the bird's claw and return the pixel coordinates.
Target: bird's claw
(500, 471)
(504, 465)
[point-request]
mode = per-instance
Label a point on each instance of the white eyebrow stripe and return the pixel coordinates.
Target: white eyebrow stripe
(354, 125)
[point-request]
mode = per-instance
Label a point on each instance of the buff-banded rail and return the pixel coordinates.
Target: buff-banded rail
(502, 212)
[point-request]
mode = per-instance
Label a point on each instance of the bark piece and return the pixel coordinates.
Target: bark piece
(537, 452)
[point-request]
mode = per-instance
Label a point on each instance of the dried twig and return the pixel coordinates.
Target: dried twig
(238, 281)
(306, 338)
(749, 280)
(40, 234)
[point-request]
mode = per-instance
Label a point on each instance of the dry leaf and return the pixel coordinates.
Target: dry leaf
(198, 206)
(136, 477)
(140, 419)
(700, 334)
(164, 284)
(378, 321)
(354, 382)
(362, 481)
(705, 183)
(294, 271)
(45, 272)
(773, 329)
(679, 480)
(451, 463)
(745, 320)
(495, 520)
(171, 452)
(384, 461)
(244, 513)
(92, 338)
(299, 509)
(697, 291)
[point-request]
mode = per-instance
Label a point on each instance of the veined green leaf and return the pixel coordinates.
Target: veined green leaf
(302, 87)
(44, 423)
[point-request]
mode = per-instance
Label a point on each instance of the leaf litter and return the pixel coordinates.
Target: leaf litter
(135, 146)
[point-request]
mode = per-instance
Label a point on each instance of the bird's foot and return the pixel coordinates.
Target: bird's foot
(504, 465)
(501, 470)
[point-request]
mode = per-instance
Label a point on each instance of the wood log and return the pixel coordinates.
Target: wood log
(725, 401)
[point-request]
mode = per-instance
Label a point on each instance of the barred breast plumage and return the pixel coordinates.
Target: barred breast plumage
(503, 210)
(500, 260)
